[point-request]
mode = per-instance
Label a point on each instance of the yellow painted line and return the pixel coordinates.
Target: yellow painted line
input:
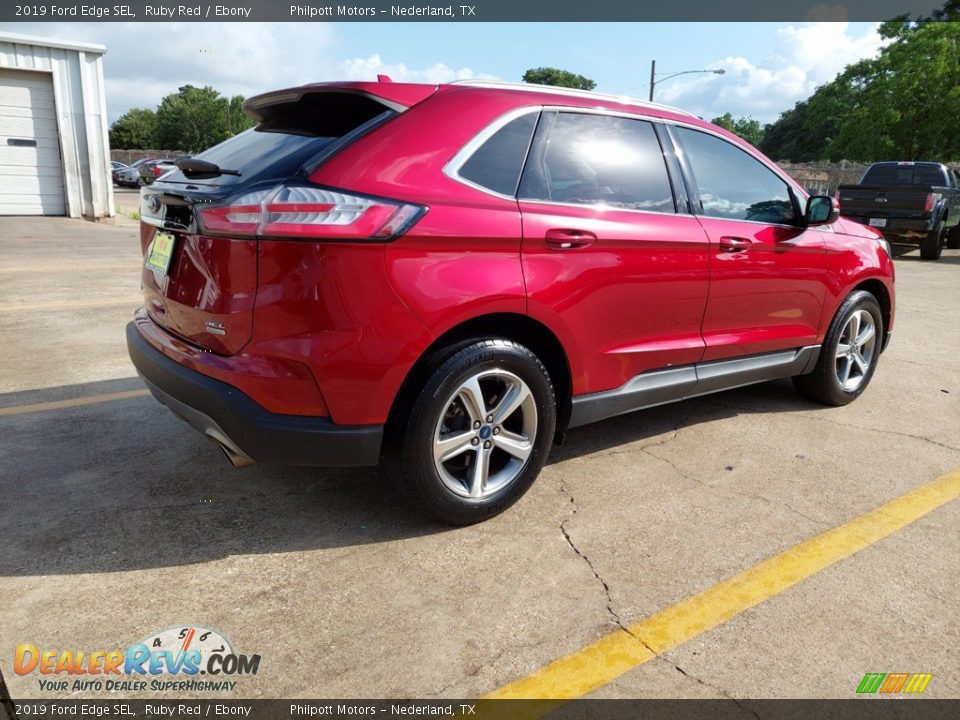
(75, 402)
(611, 656)
(69, 305)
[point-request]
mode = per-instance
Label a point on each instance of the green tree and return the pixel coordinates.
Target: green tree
(237, 120)
(555, 76)
(134, 130)
(194, 119)
(746, 127)
(904, 104)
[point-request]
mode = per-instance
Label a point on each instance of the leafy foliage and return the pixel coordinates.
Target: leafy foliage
(903, 105)
(746, 127)
(191, 119)
(555, 76)
(134, 130)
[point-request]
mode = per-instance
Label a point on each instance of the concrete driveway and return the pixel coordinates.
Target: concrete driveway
(118, 521)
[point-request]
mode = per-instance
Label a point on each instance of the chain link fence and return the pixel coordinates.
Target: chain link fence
(823, 178)
(131, 156)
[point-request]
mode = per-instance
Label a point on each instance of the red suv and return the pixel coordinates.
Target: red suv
(446, 277)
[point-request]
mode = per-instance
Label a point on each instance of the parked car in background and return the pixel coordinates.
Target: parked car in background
(912, 203)
(115, 167)
(130, 175)
(152, 169)
(446, 277)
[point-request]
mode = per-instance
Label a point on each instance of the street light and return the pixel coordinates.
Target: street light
(654, 81)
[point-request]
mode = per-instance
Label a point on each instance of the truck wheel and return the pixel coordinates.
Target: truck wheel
(478, 434)
(932, 245)
(849, 353)
(953, 238)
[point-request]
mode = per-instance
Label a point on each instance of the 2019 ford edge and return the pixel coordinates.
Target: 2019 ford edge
(445, 277)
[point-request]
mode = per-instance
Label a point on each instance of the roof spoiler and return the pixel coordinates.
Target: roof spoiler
(384, 95)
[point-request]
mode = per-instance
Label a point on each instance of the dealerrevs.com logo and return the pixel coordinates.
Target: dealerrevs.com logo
(180, 659)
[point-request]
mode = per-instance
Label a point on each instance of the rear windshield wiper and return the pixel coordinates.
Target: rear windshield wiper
(194, 167)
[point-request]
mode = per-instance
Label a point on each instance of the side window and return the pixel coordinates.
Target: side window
(496, 164)
(733, 184)
(598, 160)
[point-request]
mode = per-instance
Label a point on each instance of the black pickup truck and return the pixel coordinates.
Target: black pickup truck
(911, 203)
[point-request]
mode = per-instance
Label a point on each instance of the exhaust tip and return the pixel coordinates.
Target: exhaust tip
(238, 460)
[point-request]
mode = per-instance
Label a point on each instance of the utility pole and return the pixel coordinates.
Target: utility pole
(654, 81)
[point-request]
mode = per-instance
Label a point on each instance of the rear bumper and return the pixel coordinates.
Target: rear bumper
(247, 430)
(900, 228)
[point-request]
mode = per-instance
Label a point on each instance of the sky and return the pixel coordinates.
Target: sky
(769, 66)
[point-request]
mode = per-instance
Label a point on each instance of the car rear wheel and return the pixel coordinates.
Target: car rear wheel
(478, 434)
(848, 357)
(932, 245)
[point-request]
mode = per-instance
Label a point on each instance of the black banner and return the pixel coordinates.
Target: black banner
(469, 11)
(119, 709)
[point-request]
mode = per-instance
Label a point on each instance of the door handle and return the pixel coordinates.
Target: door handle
(734, 244)
(568, 238)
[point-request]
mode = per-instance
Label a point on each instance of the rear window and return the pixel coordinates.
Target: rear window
(258, 155)
(291, 134)
(903, 175)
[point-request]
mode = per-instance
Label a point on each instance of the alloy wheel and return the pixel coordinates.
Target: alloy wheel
(485, 434)
(855, 350)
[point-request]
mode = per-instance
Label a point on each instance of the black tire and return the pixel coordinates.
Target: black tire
(823, 384)
(953, 238)
(932, 245)
(410, 459)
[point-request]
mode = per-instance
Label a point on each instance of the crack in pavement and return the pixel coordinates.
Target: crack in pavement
(645, 449)
(485, 664)
(922, 438)
(614, 616)
(733, 491)
(813, 415)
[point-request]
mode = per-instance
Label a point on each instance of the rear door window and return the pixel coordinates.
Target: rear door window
(589, 159)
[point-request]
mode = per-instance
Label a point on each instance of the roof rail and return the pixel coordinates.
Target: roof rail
(570, 92)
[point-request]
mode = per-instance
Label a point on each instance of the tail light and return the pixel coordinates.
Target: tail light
(308, 212)
(157, 171)
(931, 202)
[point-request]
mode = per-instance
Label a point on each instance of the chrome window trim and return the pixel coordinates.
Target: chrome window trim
(605, 208)
(568, 92)
(453, 166)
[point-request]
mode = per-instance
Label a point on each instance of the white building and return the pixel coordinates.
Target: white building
(54, 151)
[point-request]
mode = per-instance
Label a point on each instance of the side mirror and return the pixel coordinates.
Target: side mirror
(821, 210)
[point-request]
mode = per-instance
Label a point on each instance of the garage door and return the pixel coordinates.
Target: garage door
(31, 172)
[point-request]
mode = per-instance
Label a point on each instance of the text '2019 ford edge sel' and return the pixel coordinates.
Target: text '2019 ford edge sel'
(444, 277)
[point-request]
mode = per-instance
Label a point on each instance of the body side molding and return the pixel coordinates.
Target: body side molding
(658, 387)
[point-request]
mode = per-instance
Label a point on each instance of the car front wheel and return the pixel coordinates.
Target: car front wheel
(953, 238)
(848, 357)
(478, 434)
